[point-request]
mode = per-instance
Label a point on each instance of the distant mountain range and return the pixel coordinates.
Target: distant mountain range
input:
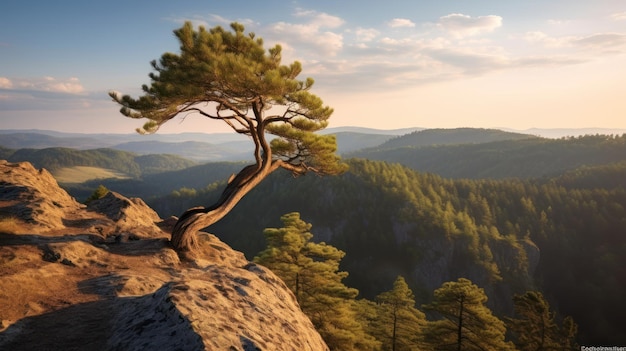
(205, 147)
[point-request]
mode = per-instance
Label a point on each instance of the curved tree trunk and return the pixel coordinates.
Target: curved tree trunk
(184, 239)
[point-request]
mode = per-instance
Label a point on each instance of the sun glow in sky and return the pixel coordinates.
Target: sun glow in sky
(386, 65)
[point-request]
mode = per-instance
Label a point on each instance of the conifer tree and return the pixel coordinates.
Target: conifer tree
(229, 77)
(399, 322)
(535, 327)
(99, 193)
(311, 271)
(467, 323)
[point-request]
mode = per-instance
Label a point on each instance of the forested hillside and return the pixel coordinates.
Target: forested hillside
(455, 136)
(129, 163)
(523, 158)
(507, 236)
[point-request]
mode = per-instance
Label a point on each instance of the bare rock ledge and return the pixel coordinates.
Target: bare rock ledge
(69, 283)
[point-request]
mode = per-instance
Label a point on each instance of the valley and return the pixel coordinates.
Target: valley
(511, 212)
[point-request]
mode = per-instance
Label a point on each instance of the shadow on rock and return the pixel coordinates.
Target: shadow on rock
(149, 322)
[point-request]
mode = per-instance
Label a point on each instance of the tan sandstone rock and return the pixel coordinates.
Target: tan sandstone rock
(66, 286)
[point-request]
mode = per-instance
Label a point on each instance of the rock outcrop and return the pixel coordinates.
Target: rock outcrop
(131, 216)
(68, 284)
(34, 196)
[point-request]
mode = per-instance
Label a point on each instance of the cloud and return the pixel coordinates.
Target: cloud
(547, 61)
(311, 35)
(557, 22)
(375, 75)
(19, 100)
(44, 93)
(601, 40)
(366, 34)
(400, 22)
(544, 39)
(620, 16)
(594, 42)
(320, 19)
(5, 83)
(43, 84)
(460, 25)
(212, 20)
(470, 61)
(70, 86)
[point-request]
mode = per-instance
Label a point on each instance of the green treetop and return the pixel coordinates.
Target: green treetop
(311, 271)
(467, 323)
(229, 76)
(535, 327)
(399, 323)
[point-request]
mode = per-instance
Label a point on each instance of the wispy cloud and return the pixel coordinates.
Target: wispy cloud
(538, 37)
(602, 40)
(619, 16)
(46, 93)
(319, 19)
(43, 84)
(314, 35)
(401, 22)
(615, 42)
(20, 100)
(460, 25)
(212, 20)
(557, 22)
(5, 83)
(366, 34)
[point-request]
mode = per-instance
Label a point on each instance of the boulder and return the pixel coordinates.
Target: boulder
(34, 196)
(131, 215)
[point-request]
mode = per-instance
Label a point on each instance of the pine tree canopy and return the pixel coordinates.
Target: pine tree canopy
(467, 323)
(311, 271)
(228, 76)
(536, 328)
(399, 324)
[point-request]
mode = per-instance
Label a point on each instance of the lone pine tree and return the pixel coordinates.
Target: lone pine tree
(229, 76)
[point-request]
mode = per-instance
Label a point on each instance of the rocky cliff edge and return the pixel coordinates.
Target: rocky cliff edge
(103, 277)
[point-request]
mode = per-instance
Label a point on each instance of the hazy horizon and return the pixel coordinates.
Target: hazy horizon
(541, 132)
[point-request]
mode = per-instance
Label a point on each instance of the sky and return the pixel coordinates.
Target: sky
(516, 64)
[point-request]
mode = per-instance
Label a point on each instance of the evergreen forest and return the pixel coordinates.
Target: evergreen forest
(563, 236)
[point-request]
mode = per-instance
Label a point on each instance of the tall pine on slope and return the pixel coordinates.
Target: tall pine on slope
(466, 324)
(399, 323)
(535, 327)
(311, 271)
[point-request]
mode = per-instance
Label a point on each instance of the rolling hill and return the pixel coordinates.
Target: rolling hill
(456, 136)
(131, 164)
(519, 157)
(193, 150)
